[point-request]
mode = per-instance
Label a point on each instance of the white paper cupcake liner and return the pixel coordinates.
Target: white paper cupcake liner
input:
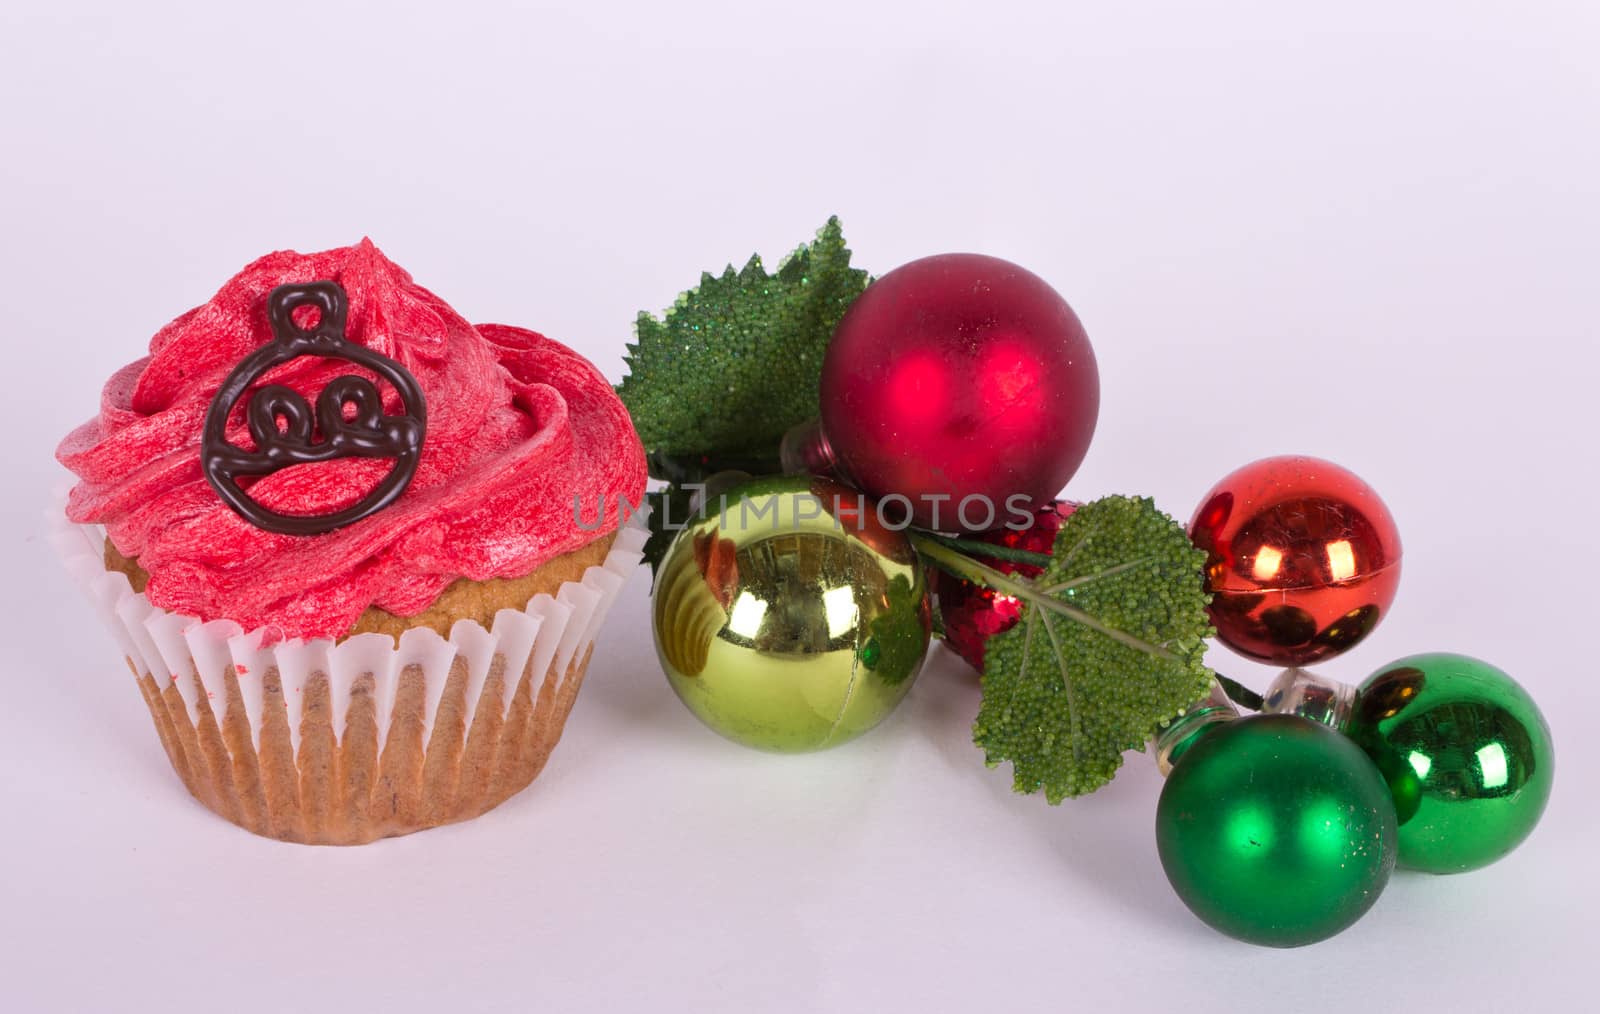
(544, 645)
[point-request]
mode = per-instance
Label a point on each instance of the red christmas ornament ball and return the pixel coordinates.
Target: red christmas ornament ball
(960, 376)
(972, 613)
(1302, 559)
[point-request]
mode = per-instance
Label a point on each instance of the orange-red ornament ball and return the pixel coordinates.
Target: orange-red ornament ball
(1303, 559)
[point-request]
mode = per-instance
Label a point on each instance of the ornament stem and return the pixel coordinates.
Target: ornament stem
(934, 551)
(686, 468)
(1010, 554)
(1240, 694)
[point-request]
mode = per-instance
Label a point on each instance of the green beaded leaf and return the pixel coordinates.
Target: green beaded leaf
(1069, 689)
(737, 361)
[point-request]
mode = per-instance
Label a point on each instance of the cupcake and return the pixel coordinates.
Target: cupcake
(355, 550)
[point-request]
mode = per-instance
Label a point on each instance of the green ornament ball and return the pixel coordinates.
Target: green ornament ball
(787, 617)
(1275, 830)
(1466, 753)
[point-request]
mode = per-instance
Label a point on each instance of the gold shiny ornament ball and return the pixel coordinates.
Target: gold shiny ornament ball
(788, 617)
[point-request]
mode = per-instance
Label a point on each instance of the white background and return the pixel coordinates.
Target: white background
(1368, 231)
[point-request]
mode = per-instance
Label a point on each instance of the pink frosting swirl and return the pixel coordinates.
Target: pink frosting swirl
(519, 429)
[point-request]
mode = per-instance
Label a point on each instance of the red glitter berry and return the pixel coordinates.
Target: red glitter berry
(972, 614)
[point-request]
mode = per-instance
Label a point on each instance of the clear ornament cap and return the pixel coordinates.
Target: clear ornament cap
(806, 451)
(1311, 696)
(1178, 735)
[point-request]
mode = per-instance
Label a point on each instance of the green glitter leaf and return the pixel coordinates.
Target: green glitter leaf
(738, 360)
(670, 507)
(1109, 648)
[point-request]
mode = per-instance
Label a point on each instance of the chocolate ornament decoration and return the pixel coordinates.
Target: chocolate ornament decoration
(281, 423)
(1303, 559)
